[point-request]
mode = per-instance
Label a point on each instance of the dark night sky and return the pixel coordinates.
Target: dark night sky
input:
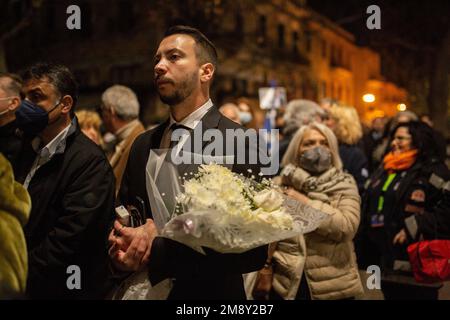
(411, 36)
(416, 21)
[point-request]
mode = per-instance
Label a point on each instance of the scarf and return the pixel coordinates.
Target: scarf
(401, 161)
(318, 187)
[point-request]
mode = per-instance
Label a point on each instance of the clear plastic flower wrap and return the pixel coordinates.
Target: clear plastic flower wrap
(208, 205)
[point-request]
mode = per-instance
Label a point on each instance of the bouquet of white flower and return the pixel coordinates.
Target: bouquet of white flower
(217, 209)
(230, 213)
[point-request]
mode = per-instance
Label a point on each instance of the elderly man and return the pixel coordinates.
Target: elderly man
(71, 185)
(10, 142)
(120, 112)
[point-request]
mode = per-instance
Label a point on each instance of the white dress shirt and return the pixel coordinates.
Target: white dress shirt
(45, 154)
(191, 122)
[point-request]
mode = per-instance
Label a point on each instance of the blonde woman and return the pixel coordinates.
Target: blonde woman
(321, 264)
(345, 123)
(90, 122)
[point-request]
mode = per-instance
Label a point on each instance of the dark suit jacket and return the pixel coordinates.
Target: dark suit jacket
(210, 276)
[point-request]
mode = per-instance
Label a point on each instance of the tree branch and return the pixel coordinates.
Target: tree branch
(23, 23)
(392, 40)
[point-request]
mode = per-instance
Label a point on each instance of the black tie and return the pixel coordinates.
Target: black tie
(172, 128)
(164, 188)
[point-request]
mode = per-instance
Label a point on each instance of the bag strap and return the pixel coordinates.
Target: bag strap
(270, 252)
(419, 261)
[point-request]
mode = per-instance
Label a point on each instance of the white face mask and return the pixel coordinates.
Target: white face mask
(245, 117)
(6, 110)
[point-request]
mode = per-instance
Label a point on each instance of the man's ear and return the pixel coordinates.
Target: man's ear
(67, 103)
(112, 111)
(206, 72)
(15, 104)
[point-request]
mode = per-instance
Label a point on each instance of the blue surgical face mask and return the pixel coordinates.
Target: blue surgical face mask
(32, 119)
(245, 117)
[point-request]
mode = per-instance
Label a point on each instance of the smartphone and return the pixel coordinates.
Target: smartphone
(123, 216)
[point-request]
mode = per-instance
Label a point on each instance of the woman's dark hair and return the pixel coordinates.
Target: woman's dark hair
(387, 132)
(423, 139)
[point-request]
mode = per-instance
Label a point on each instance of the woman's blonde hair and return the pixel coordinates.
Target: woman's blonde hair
(87, 119)
(348, 127)
(291, 155)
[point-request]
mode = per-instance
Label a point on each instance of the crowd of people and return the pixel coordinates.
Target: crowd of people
(62, 176)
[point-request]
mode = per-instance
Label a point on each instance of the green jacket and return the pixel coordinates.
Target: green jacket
(15, 205)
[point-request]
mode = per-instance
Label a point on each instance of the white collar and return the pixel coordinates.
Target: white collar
(194, 118)
(51, 147)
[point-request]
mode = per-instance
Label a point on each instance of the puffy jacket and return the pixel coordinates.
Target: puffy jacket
(326, 256)
(15, 205)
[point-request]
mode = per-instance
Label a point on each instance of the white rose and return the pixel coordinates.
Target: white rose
(268, 200)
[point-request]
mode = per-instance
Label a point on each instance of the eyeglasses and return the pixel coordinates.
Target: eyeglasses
(400, 138)
(6, 98)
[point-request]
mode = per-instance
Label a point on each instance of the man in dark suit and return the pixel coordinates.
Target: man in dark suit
(184, 68)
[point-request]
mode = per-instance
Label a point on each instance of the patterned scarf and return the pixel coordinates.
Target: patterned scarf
(318, 187)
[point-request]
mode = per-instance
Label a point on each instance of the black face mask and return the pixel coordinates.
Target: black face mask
(32, 119)
(316, 160)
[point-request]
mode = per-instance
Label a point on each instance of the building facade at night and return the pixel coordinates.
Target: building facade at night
(259, 42)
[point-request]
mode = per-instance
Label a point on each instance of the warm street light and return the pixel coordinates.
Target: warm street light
(369, 98)
(401, 107)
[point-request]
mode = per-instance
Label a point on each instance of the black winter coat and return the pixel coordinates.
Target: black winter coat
(72, 210)
(10, 141)
(434, 223)
(410, 193)
(355, 162)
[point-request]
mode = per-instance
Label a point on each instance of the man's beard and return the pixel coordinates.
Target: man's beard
(186, 86)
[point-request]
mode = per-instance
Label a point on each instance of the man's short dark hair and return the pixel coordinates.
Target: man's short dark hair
(205, 50)
(58, 75)
(13, 85)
